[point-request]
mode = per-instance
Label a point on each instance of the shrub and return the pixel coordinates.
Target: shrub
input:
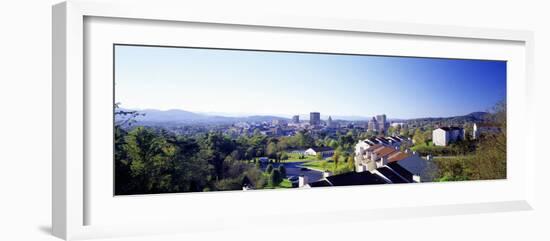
(282, 170)
(269, 168)
(275, 178)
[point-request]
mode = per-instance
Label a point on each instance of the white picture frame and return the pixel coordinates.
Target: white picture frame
(72, 191)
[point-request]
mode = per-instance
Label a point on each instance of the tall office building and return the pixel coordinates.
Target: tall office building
(381, 119)
(314, 118)
(330, 124)
(372, 125)
(296, 119)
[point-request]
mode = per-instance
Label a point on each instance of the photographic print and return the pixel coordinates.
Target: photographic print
(205, 119)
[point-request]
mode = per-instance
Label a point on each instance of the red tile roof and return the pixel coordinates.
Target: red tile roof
(383, 151)
(374, 147)
(398, 156)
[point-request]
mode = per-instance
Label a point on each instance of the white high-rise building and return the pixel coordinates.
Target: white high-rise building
(443, 136)
(330, 124)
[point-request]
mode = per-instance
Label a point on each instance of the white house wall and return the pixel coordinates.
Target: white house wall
(440, 137)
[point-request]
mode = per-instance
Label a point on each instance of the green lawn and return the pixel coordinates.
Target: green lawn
(294, 157)
(422, 145)
(325, 165)
(430, 149)
(284, 184)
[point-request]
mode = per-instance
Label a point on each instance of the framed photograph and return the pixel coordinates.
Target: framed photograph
(205, 122)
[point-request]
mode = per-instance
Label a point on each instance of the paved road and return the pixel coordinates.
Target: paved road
(294, 169)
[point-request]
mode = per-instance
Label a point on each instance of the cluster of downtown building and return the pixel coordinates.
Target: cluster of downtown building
(289, 127)
(377, 124)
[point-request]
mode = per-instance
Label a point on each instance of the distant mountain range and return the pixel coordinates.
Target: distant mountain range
(472, 117)
(182, 116)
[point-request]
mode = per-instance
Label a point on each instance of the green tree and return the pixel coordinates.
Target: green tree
(336, 158)
(391, 130)
(351, 163)
(282, 170)
(190, 172)
(319, 156)
(404, 131)
(275, 178)
(419, 137)
(236, 154)
(150, 159)
(346, 141)
(491, 150)
(269, 168)
(215, 148)
(250, 153)
(228, 184)
(256, 176)
(271, 150)
(303, 139)
(123, 179)
(284, 156)
(333, 143)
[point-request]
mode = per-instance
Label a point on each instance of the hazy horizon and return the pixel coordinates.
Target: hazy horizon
(303, 116)
(287, 84)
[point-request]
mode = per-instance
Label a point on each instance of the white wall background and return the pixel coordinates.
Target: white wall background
(25, 119)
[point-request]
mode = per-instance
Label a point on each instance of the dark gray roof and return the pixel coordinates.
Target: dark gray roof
(401, 171)
(355, 178)
(374, 140)
(371, 142)
(394, 139)
(320, 183)
(390, 174)
(383, 140)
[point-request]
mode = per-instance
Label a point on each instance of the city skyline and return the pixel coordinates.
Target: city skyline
(285, 84)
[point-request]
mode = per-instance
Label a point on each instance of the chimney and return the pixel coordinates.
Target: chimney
(360, 168)
(326, 174)
(383, 161)
(416, 178)
(302, 181)
(429, 157)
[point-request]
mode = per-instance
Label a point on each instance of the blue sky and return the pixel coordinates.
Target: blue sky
(259, 82)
